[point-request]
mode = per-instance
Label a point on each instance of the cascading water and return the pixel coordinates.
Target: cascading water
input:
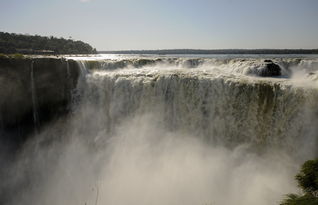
(205, 100)
(34, 99)
(168, 130)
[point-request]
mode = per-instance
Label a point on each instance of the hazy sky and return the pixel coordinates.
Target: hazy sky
(160, 24)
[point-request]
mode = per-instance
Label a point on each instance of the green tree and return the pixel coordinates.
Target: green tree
(307, 180)
(11, 43)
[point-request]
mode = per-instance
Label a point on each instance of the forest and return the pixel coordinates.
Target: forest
(11, 43)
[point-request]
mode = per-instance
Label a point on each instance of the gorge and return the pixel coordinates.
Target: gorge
(143, 129)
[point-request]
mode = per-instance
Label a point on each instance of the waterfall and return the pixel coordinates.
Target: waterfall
(34, 99)
(165, 130)
(68, 72)
(220, 107)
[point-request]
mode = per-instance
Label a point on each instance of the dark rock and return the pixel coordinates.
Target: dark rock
(143, 62)
(192, 63)
(270, 69)
(53, 82)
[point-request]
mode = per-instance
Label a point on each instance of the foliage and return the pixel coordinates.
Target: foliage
(15, 55)
(11, 43)
(18, 56)
(308, 177)
(3, 55)
(308, 181)
(294, 199)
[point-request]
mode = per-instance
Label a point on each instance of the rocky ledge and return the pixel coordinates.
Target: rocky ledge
(34, 90)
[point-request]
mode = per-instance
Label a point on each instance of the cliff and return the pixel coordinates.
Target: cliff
(34, 91)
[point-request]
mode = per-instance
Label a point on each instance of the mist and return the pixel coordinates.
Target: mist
(145, 164)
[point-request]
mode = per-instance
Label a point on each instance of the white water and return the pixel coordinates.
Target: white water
(174, 131)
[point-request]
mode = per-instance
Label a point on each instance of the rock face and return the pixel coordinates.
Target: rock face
(34, 90)
(271, 69)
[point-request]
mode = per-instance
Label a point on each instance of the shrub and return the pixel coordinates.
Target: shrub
(307, 180)
(17, 55)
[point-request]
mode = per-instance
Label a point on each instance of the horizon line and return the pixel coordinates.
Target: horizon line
(213, 51)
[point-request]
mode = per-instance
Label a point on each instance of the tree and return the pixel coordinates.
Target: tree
(17, 43)
(307, 180)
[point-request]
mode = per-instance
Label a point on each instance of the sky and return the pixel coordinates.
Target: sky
(168, 24)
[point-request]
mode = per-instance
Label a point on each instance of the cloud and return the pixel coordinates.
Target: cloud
(84, 1)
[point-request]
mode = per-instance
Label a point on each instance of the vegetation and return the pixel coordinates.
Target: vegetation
(307, 180)
(11, 43)
(15, 56)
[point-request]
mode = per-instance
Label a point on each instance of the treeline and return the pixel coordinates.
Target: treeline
(217, 51)
(28, 44)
